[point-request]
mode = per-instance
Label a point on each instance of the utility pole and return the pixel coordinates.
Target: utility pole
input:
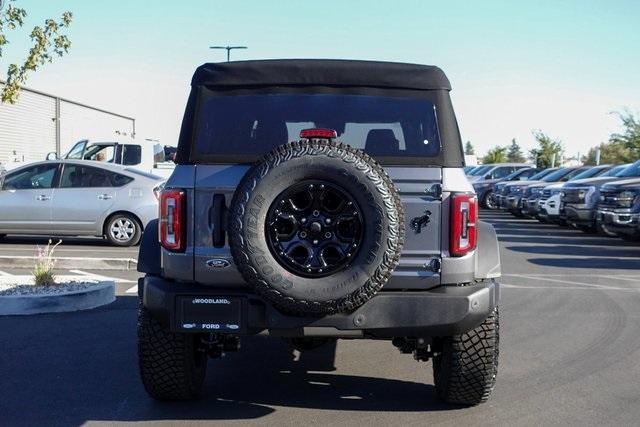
(228, 48)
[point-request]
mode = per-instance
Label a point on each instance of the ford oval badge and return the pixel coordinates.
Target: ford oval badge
(218, 263)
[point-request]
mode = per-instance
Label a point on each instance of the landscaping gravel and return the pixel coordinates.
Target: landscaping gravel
(7, 289)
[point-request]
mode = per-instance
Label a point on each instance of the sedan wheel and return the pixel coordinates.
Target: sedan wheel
(123, 230)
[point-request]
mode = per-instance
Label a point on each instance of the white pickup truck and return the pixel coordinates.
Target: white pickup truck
(147, 156)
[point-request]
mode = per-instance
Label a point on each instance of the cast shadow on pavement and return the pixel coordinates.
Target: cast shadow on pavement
(67, 369)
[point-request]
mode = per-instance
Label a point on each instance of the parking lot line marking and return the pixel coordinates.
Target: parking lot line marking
(637, 279)
(538, 275)
(100, 277)
(132, 290)
(567, 288)
(570, 282)
(101, 250)
(5, 274)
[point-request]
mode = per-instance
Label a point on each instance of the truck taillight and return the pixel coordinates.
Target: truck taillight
(464, 215)
(172, 219)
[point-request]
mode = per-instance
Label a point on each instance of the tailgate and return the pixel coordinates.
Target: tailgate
(214, 189)
(420, 261)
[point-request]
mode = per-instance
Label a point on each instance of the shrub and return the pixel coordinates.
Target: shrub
(43, 269)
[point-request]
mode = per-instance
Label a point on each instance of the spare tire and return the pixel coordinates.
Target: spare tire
(316, 227)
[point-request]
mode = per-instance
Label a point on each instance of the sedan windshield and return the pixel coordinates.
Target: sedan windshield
(592, 172)
(541, 174)
(631, 171)
(480, 170)
(614, 171)
(557, 175)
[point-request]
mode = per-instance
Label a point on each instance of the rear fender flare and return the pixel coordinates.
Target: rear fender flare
(487, 253)
(149, 252)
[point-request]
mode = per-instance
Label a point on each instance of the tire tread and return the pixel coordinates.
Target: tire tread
(166, 361)
(465, 371)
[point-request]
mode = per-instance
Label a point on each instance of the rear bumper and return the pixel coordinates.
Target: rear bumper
(444, 311)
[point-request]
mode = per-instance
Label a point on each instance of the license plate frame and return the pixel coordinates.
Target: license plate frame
(210, 313)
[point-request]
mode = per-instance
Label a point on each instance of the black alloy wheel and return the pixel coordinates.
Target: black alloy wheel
(314, 228)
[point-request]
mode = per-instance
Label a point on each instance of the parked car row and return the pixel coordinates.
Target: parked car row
(604, 198)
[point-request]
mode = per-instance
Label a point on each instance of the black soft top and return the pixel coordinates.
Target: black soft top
(351, 77)
(323, 72)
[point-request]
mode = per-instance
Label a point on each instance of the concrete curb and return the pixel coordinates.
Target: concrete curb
(101, 294)
(72, 262)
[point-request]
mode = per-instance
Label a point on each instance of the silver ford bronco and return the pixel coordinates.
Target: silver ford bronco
(314, 200)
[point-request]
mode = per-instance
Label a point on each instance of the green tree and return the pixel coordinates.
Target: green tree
(630, 136)
(468, 149)
(514, 152)
(48, 42)
(610, 152)
(495, 155)
(547, 148)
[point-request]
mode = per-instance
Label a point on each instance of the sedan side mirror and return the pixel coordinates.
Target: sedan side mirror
(52, 156)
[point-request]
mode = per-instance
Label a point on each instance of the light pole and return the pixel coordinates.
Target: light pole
(228, 48)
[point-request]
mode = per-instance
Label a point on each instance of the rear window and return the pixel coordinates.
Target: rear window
(252, 125)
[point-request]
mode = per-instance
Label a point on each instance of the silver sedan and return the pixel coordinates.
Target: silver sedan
(78, 198)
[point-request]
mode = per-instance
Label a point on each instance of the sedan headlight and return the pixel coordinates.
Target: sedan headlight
(556, 191)
(536, 191)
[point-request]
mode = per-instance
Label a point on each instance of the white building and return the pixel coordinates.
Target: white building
(40, 123)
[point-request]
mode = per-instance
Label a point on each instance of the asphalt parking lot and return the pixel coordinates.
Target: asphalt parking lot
(570, 345)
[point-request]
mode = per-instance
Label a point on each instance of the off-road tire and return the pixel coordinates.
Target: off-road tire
(171, 366)
(360, 176)
(465, 368)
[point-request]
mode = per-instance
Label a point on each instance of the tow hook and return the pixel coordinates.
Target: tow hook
(217, 345)
(420, 347)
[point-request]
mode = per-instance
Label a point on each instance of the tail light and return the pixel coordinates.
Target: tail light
(464, 215)
(172, 219)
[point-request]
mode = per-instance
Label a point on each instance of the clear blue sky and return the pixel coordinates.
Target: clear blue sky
(560, 66)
